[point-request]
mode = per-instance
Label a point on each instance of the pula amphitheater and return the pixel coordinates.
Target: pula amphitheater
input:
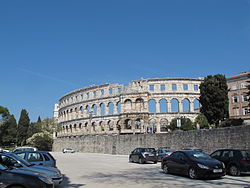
(144, 106)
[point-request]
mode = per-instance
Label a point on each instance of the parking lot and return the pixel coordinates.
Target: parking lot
(103, 170)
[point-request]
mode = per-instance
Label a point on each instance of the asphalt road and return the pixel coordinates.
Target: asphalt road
(114, 171)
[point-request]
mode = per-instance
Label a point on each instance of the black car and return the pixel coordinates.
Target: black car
(236, 161)
(163, 152)
(193, 164)
(143, 155)
(20, 178)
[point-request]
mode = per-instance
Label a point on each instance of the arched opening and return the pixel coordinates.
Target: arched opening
(74, 127)
(87, 109)
(138, 123)
(152, 126)
(80, 126)
(119, 107)
(128, 124)
(111, 108)
(163, 106)
(81, 109)
(70, 127)
(197, 105)
(151, 106)
(164, 125)
(139, 104)
(102, 106)
(128, 104)
(110, 125)
(94, 109)
(94, 126)
(186, 105)
(102, 126)
(174, 105)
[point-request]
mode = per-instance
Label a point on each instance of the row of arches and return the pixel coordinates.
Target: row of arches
(139, 105)
(117, 126)
(173, 106)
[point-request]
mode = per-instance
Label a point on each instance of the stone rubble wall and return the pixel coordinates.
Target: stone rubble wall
(207, 139)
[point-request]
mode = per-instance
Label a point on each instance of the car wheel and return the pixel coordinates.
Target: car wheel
(130, 160)
(192, 173)
(234, 171)
(140, 161)
(165, 169)
(16, 186)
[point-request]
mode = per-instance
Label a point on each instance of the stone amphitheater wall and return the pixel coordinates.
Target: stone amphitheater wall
(206, 139)
(117, 109)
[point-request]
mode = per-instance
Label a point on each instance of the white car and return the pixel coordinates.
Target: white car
(68, 150)
(25, 149)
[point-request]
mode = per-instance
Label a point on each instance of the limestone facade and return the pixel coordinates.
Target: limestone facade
(144, 106)
(239, 106)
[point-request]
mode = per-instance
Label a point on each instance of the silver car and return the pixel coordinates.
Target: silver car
(12, 160)
(68, 150)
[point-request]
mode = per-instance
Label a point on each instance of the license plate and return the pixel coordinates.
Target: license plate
(217, 170)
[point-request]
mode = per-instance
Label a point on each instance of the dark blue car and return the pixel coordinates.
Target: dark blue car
(38, 157)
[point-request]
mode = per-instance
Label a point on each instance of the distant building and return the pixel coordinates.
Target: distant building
(238, 100)
(144, 106)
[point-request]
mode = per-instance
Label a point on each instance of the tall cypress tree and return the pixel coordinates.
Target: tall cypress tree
(214, 98)
(23, 126)
(39, 119)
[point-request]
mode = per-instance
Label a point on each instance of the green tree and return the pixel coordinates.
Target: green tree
(23, 127)
(49, 125)
(9, 138)
(35, 127)
(4, 118)
(43, 141)
(186, 124)
(39, 119)
(201, 120)
(214, 98)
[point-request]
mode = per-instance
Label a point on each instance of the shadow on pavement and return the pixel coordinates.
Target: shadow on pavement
(155, 176)
(66, 183)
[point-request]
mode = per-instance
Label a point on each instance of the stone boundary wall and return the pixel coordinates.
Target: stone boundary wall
(206, 139)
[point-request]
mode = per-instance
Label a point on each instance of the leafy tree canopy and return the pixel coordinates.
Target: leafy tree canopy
(43, 141)
(214, 98)
(202, 121)
(186, 124)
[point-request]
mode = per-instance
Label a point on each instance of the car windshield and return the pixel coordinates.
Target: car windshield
(245, 154)
(22, 161)
(198, 155)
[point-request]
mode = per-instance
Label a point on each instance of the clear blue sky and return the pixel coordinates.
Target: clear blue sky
(51, 47)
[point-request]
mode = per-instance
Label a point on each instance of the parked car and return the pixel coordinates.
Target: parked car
(21, 178)
(163, 152)
(193, 164)
(143, 155)
(11, 160)
(68, 150)
(3, 150)
(38, 157)
(25, 149)
(237, 161)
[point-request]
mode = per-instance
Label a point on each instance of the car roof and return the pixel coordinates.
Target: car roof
(231, 150)
(31, 152)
